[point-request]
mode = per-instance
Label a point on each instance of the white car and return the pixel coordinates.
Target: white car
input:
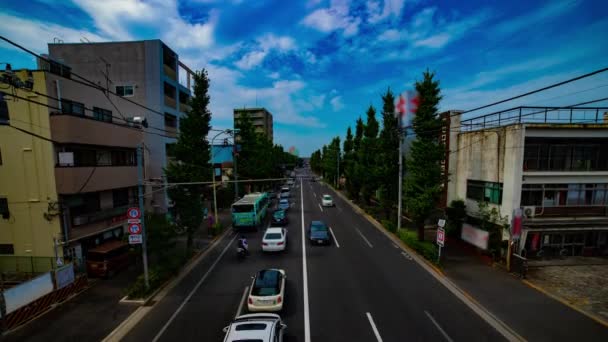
(267, 291)
(263, 327)
(327, 201)
(285, 192)
(274, 240)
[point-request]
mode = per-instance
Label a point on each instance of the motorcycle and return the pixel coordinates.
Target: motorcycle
(241, 253)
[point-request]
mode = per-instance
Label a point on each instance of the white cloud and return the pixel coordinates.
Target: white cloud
(390, 35)
(274, 75)
(336, 103)
(336, 17)
(391, 8)
(263, 46)
(533, 18)
(435, 41)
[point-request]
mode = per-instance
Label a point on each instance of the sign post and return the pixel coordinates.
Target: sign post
(140, 192)
(440, 237)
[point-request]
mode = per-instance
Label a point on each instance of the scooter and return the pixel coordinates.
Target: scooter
(241, 253)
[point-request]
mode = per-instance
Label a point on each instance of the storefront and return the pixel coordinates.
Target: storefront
(564, 242)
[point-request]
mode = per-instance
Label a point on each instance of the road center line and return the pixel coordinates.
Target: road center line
(314, 195)
(196, 287)
(445, 335)
(371, 322)
(242, 302)
(334, 236)
(304, 273)
(364, 238)
(320, 207)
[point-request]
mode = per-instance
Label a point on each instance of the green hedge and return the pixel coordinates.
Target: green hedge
(158, 274)
(389, 225)
(425, 248)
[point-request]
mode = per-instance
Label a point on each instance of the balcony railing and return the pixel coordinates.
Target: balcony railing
(170, 102)
(569, 211)
(538, 115)
(97, 222)
(169, 72)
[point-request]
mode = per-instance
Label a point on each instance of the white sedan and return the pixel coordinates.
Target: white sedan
(274, 240)
(327, 201)
(267, 292)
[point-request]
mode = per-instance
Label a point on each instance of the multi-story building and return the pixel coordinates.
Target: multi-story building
(69, 165)
(552, 163)
(146, 72)
(260, 118)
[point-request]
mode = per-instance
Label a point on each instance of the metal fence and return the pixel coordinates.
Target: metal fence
(539, 115)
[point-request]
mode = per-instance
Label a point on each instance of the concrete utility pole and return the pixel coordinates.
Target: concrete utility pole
(140, 181)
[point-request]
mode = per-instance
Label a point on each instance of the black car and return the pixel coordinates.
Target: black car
(280, 217)
(318, 233)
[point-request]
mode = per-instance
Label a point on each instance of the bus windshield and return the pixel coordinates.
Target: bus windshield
(242, 208)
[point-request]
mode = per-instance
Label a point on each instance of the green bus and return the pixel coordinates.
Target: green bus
(250, 211)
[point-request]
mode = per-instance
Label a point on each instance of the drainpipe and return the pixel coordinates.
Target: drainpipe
(58, 89)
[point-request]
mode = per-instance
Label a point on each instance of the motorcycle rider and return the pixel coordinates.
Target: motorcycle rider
(242, 243)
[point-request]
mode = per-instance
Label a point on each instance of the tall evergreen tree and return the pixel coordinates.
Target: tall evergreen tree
(357, 174)
(388, 158)
(423, 178)
(191, 160)
(348, 159)
(367, 168)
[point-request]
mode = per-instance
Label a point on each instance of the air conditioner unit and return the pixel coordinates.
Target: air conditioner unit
(529, 211)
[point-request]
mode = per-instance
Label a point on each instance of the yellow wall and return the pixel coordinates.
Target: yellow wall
(27, 174)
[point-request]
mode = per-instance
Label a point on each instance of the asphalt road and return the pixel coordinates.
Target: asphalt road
(360, 288)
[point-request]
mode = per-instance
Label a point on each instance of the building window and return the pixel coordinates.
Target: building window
(72, 107)
(4, 118)
(170, 120)
(4, 208)
(102, 114)
(564, 195)
(7, 249)
(120, 197)
(125, 90)
(123, 158)
(484, 191)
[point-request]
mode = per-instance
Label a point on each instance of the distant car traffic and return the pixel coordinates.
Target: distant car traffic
(291, 182)
(280, 217)
(284, 204)
(262, 327)
(267, 292)
(274, 240)
(327, 201)
(285, 192)
(318, 233)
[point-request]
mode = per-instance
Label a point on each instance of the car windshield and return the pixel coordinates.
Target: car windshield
(267, 283)
(279, 214)
(327, 197)
(273, 236)
(251, 326)
(284, 201)
(318, 227)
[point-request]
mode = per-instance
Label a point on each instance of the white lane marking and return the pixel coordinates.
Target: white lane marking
(407, 256)
(445, 335)
(305, 274)
(314, 195)
(240, 308)
(364, 238)
(371, 322)
(395, 246)
(196, 287)
(320, 207)
(334, 236)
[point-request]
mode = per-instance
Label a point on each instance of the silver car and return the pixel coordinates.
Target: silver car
(263, 327)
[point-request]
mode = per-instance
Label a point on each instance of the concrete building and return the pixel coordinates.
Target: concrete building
(73, 182)
(260, 118)
(147, 72)
(552, 163)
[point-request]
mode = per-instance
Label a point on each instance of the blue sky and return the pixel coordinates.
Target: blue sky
(317, 65)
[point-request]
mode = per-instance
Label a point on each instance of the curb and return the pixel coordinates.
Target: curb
(501, 327)
(125, 326)
(563, 301)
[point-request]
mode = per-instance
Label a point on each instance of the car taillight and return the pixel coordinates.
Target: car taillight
(250, 300)
(280, 243)
(279, 300)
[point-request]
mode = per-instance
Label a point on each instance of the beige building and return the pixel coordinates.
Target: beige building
(260, 118)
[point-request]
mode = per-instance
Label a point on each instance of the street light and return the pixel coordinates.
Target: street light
(226, 131)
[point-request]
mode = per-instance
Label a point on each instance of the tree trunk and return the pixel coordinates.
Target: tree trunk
(420, 228)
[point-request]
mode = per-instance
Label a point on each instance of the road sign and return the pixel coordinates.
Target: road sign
(133, 221)
(135, 239)
(135, 228)
(134, 213)
(440, 236)
(441, 223)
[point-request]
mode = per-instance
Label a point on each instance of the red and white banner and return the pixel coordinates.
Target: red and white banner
(406, 107)
(475, 236)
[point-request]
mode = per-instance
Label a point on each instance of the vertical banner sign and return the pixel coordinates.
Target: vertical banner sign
(516, 223)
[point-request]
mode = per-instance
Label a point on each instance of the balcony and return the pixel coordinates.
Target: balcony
(170, 102)
(184, 108)
(169, 72)
(94, 223)
(171, 131)
(84, 130)
(69, 180)
(570, 211)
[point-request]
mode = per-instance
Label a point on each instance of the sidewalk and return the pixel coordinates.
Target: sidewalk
(96, 312)
(530, 313)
